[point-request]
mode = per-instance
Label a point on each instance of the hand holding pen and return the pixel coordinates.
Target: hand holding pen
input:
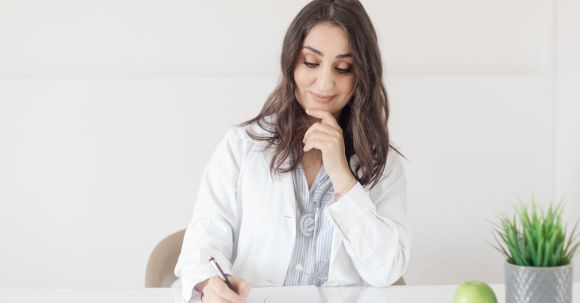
(223, 288)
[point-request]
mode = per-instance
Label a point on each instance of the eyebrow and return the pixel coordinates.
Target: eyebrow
(348, 55)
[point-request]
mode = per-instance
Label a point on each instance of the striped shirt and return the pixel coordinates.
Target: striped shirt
(311, 254)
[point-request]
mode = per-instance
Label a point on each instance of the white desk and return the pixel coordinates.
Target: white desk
(393, 294)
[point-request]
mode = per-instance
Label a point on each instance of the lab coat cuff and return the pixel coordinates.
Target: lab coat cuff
(351, 207)
(202, 273)
(187, 285)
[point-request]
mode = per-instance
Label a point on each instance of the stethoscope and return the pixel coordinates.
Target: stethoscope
(308, 226)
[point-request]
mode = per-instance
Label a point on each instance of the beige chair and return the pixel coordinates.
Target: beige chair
(163, 258)
(162, 261)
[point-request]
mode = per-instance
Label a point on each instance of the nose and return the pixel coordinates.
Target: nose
(325, 80)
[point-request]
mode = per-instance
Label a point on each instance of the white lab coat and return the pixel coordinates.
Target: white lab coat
(246, 219)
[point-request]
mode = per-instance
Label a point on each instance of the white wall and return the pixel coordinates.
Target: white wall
(110, 109)
(567, 78)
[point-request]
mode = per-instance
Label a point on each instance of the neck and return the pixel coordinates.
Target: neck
(311, 158)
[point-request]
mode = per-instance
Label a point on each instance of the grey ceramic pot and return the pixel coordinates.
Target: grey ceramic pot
(525, 284)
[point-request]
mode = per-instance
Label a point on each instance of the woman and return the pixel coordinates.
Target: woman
(309, 192)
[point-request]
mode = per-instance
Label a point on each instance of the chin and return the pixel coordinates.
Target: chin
(325, 106)
(321, 107)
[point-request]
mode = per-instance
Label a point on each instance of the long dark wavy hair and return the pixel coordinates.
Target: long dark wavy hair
(363, 119)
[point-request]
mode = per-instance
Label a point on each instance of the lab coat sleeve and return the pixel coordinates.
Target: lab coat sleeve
(216, 215)
(373, 226)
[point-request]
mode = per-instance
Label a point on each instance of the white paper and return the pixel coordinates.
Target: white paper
(286, 294)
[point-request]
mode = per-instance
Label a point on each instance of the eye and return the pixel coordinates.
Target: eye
(310, 64)
(343, 70)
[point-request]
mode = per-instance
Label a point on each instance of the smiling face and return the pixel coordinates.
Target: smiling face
(323, 72)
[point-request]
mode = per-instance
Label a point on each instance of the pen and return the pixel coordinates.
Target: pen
(220, 273)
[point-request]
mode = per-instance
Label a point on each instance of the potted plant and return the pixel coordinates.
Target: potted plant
(539, 252)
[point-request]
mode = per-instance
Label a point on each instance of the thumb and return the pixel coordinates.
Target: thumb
(242, 286)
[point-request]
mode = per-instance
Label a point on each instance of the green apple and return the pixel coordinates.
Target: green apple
(474, 292)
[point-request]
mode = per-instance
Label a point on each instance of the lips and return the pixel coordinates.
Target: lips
(321, 98)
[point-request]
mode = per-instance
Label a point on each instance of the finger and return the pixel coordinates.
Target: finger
(245, 290)
(225, 292)
(318, 135)
(318, 143)
(229, 295)
(324, 129)
(212, 297)
(326, 117)
(242, 286)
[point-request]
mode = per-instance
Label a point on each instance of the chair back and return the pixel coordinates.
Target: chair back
(162, 261)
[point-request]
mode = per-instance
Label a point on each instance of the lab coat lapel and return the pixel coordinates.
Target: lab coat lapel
(283, 193)
(284, 185)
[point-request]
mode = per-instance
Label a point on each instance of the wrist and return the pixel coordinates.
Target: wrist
(348, 188)
(344, 186)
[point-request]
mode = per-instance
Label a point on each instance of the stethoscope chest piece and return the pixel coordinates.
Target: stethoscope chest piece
(307, 225)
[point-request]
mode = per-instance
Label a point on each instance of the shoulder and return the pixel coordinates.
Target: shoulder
(394, 169)
(242, 133)
(238, 140)
(394, 162)
(394, 173)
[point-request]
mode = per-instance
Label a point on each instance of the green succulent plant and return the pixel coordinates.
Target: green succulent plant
(534, 237)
